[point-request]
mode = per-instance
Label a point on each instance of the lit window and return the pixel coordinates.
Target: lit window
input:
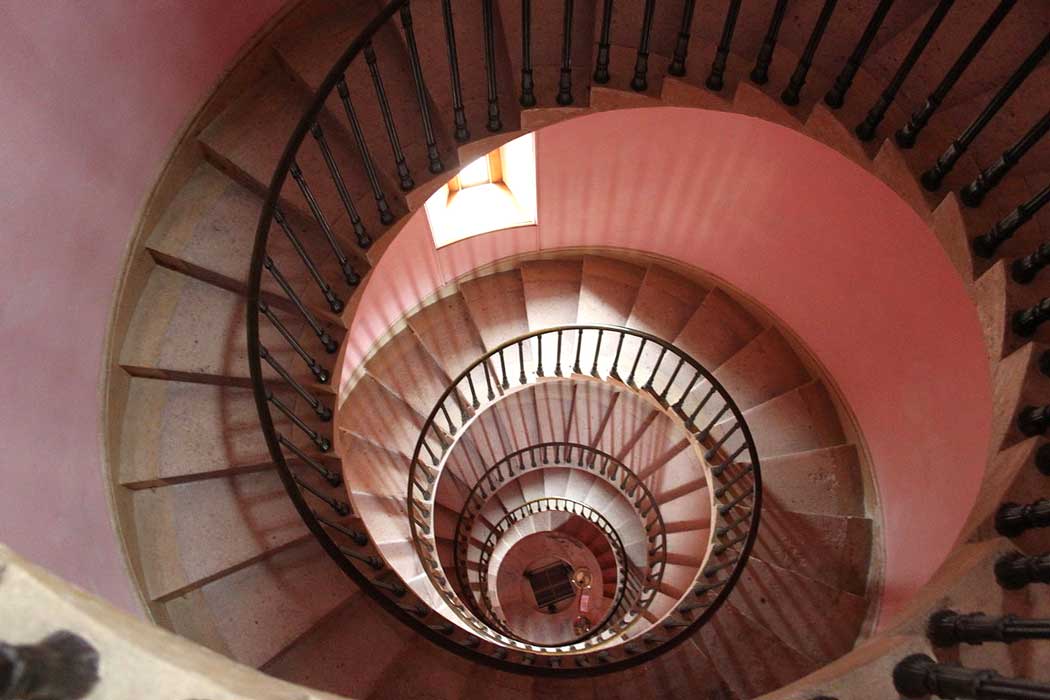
(477, 173)
(494, 192)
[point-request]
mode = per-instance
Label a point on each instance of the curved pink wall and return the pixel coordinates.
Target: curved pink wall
(94, 94)
(817, 239)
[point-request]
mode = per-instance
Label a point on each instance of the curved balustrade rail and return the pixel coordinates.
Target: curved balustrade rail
(353, 215)
(573, 456)
(642, 363)
(625, 608)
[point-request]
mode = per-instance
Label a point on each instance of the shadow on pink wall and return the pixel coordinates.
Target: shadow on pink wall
(822, 243)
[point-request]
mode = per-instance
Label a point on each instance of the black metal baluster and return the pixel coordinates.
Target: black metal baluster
(351, 277)
(459, 114)
(61, 666)
(597, 351)
(327, 341)
(706, 431)
(681, 46)
(932, 178)
(972, 194)
(866, 129)
(986, 244)
(1015, 570)
(320, 373)
(565, 78)
(321, 442)
(640, 82)
(403, 174)
(791, 93)
(489, 32)
(670, 382)
(760, 73)
(641, 348)
(329, 476)
(358, 538)
(907, 134)
(436, 166)
(579, 346)
(343, 509)
(656, 368)
(836, 96)
(528, 88)
(521, 362)
(615, 372)
(334, 302)
(948, 628)
(601, 63)
(1014, 519)
(1034, 420)
(716, 79)
(385, 215)
(363, 239)
(919, 676)
(710, 454)
(700, 406)
(323, 412)
(1023, 270)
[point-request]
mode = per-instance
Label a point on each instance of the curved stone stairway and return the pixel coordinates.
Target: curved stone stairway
(224, 559)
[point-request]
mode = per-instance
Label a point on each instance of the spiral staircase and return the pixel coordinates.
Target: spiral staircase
(373, 536)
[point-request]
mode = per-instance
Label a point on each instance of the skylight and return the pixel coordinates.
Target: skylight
(494, 192)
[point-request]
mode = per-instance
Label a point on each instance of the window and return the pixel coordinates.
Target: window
(494, 192)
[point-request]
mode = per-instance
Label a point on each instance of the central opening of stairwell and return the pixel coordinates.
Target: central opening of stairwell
(495, 192)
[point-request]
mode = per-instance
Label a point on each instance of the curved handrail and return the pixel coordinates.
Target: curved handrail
(349, 546)
(621, 606)
(698, 394)
(594, 461)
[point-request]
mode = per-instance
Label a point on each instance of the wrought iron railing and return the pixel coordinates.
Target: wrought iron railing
(634, 360)
(624, 608)
(285, 303)
(595, 462)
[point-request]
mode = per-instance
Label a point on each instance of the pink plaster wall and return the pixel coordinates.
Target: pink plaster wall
(94, 94)
(818, 240)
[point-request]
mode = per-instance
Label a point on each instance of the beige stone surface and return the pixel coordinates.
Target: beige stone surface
(137, 659)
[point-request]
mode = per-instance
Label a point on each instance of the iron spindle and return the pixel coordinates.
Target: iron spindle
(681, 47)
(866, 129)
(320, 373)
(716, 79)
(836, 96)
(565, 76)
(932, 178)
(403, 174)
(1023, 270)
(494, 122)
(792, 92)
(334, 302)
(323, 412)
(459, 114)
(329, 476)
(907, 134)
(386, 216)
(434, 158)
(327, 341)
(363, 239)
(974, 193)
(528, 88)
(986, 244)
(760, 73)
(601, 65)
(640, 82)
(352, 278)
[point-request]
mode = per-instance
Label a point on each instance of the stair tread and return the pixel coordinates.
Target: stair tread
(763, 369)
(329, 659)
(788, 604)
(717, 330)
(255, 612)
(665, 302)
(552, 290)
(446, 329)
(405, 367)
(826, 480)
(190, 532)
(805, 543)
(608, 289)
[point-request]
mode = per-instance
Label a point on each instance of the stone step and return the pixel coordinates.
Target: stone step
(825, 481)
(255, 612)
